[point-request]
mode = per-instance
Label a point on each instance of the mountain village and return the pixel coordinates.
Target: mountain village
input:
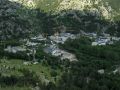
(51, 44)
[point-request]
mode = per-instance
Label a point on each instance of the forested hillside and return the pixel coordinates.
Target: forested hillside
(29, 28)
(48, 16)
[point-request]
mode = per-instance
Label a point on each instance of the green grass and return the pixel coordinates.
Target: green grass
(48, 5)
(39, 69)
(42, 71)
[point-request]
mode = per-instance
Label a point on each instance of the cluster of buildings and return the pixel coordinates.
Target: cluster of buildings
(98, 40)
(89, 35)
(15, 49)
(34, 41)
(55, 51)
(52, 47)
(62, 37)
(29, 46)
(104, 39)
(38, 38)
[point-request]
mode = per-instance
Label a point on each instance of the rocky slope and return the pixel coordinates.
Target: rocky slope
(94, 6)
(107, 8)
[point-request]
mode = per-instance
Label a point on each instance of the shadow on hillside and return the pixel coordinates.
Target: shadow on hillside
(75, 21)
(17, 20)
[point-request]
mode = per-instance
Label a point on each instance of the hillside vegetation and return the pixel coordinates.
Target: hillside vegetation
(94, 67)
(29, 17)
(108, 8)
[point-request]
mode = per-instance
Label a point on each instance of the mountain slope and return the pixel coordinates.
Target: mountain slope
(28, 16)
(107, 8)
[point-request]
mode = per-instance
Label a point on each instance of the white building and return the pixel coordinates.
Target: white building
(101, 41)
(51, 48)
(62, 37)
(27, 63)
(94, 43)
(15, 49)
(56, 52)
(115, 38)
(31, 43)
(69, 56)
(38, 38)
(101, 71)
